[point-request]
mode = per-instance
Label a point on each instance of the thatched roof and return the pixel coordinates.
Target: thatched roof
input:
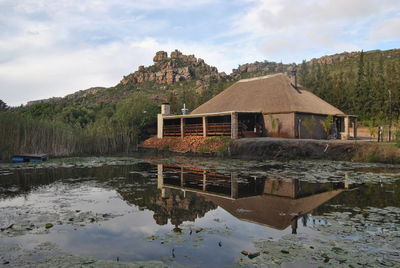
(267, 94)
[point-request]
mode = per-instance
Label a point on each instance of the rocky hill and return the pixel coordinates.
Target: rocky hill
(173, 69)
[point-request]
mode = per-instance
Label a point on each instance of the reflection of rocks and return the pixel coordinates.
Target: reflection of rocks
(175, 206)
(179, 208)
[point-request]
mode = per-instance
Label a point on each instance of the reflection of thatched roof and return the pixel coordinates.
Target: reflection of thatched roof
(273, 211)
(268, 94)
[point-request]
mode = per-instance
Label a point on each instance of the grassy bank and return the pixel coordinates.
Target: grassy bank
(282, 149)
(373, 152)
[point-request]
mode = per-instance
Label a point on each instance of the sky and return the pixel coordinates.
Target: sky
(51, 48)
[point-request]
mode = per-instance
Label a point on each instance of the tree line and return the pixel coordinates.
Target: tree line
(367, 86)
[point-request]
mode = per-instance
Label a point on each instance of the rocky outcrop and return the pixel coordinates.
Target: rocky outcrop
(259, 68)
(335, 58)
(81, 94)
(84, 93)
(265, 67)
(160, 56)
(50, 100)
(178, 67)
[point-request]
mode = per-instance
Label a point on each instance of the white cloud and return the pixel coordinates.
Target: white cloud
(388, 30)
(289, 29)
(102, 6)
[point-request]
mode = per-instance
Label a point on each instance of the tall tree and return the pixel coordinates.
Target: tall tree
(361, 92)
(304, 73)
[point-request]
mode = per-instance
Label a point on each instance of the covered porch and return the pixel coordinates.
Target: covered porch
(232, 124)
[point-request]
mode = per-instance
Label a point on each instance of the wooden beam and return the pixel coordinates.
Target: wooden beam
(355, 128)
(204, 126)
(182, 127)
(160, 126)
(346, 127)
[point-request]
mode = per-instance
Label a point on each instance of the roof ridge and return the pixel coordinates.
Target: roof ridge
(258, 78)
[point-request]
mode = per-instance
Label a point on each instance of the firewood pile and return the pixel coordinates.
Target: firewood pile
(186, 144)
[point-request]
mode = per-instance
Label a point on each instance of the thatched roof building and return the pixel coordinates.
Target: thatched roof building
(272, 105)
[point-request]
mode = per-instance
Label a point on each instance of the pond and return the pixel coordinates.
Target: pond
(199, 212)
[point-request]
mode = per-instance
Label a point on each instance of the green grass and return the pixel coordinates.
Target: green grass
(221, 151)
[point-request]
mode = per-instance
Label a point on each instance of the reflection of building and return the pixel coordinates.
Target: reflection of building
(272, 202)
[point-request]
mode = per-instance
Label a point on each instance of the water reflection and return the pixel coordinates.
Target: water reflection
(271, 202)
(179, 193)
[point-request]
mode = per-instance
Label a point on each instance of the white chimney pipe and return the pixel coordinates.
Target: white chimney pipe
(165, 108)
(184, 109)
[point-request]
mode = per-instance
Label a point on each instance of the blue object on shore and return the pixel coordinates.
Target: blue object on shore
(29, 158)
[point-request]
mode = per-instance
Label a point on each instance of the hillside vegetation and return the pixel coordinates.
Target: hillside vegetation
(108, 120)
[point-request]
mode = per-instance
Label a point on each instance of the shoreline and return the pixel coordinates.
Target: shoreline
(277, 149)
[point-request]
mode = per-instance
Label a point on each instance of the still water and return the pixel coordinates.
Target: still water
(199, 213)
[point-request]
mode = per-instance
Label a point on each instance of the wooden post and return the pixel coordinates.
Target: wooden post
(346, 127)
(182, 127)
(160, 126)
(234, 187)
(204, 126)
(234, 126)
(160, 179)
(160, 176)
(355, 128)
(204, 181)
(182, 178)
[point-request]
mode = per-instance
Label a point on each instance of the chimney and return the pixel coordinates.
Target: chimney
(293, 77)
(165, 108)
